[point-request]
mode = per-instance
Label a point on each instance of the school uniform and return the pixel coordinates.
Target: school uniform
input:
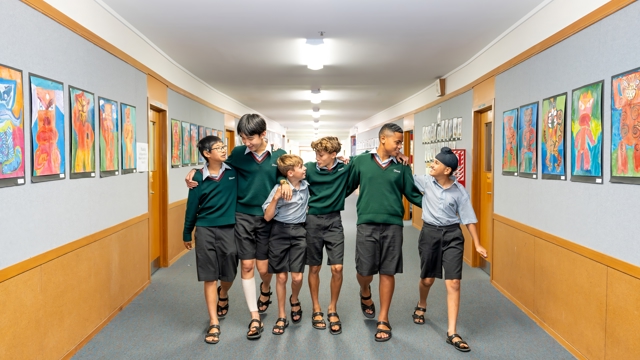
(441, 243)
(211, 208)
(287, 243)
(380, 212)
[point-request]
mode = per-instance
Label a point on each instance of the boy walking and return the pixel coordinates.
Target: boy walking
(287, 244)
(211, 209)
(382, 182)
(445, 205)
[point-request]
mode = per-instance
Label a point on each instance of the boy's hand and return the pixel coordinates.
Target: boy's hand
(482, 251)
(403, 159)
(188, 179)
(343, 159)
(278, 195)
(284, 192)
(188, 245)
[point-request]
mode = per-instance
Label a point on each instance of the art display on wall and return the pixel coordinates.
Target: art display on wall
(109, 137)
(208, 131)
(82, 133)
(47, 129)
(586, 133)
(528, 140)
(510, 142)
(460, 172)
(12, 151)
(186, 143)
(625, 127)
(128, 141)
(552, 144)
(201, 135)
(194, 144)
(176, 143)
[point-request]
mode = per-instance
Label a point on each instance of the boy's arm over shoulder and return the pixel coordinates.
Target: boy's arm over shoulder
(354, 175)
(232, 159)
(409, 188)
(465, 209)
(193, 204)
(270, 206)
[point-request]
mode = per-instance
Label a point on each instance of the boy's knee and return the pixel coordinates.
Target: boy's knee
(296, 278)
(282, 278)
(246, 266)
(427, 281)
(336, 270)
(315, 270)
(454, 284)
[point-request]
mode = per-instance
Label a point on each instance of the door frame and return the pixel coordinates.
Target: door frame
(162, 170)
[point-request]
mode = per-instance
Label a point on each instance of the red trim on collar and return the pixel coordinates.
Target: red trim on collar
(264, 157)
(383, 167)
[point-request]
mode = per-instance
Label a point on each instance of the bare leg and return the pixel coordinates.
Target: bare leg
(453, 304)
(387, 286)
(365, 282)
(296, 285)
(263, 269)
(224, 289)
(211, 298)
(424, 285)
(314, 286)
(281, 292)
(336, 285)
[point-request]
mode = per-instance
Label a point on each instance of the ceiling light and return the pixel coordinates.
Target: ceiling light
(316, 112)
(316, 97)
(315, 49)
(316, 120)
(316, 125)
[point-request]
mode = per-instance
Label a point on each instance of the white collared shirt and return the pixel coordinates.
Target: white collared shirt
(332, 166)
(384, 163)
(206, 174)
(261, 156)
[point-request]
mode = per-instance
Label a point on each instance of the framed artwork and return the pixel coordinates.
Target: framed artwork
(186, 143)
(12, 151)
(176, 143)
(129, 158)
(208, 131)
(528, 140)
(194, 144)
(109, 157)
(201, 135)
(552, 145)
(82, 133)
(586, 133)
(47, 129)
(510, 142)
(625, 127)
(460, 172)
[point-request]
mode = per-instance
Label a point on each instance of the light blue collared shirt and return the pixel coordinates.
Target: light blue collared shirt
(384, 163)
(442, 207)
(206, 174)
(293, 211)
(259, 157)
(326, 168)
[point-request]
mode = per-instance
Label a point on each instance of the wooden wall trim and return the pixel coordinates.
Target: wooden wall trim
(594, 255)
(177, 203)
(26, 265)
(74, 26)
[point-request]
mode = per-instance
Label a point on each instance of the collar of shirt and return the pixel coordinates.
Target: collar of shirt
(332, 166)
(266, 150)
(455, 183)
(375, 154)
(206, 174)
(303, 185)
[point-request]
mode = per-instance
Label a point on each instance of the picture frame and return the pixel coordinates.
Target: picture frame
(201, 135)
(129, 139)
(625, 137)
(510, 142)
(82, 133)
(12, 124)
(176, 143)
(186, 143)
(528, 141)
(194, 144)
(587, 133)
(553, 135)
(109, 137)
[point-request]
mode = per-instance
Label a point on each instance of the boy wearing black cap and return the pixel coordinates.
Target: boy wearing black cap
(445, 205)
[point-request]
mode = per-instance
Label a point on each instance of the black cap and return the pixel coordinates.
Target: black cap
(448, 158)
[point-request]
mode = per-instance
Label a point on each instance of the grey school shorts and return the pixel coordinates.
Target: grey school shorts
(378, 249)
(325, 231)
(441, 247)
(216, 254)
(252, 236)
(287, 248)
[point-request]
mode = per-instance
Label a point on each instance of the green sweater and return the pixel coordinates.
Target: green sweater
(381, 190)
(255, 179)
(212, 202)
(327, 188)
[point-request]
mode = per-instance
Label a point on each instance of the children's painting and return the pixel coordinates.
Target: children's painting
(11, 127)
(47, 129)
(109, 149)
(510, 142)
(128, 138)
(176, 143)
(194, 144)
(208, 131)
(83, 125)
(625, 127)
(186, 143)
(586, 133)
(201, 135)
(528, 140)
(552, 144)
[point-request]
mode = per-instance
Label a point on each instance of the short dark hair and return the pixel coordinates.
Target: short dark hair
(251, 124)
(207, 142)
(389, 127)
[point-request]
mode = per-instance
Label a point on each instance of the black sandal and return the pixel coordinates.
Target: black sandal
(264, 303)
(297, 313)
(225, 308)
(334, 323)
(366, 307)
(255, 332)
(458, 343)
(419, 319)
(316, 323)
(280, 327)
(215, 335)
(383, 331)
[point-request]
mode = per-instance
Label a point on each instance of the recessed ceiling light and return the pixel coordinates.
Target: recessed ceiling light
(316, 97)
(315, 49)
(316, 112)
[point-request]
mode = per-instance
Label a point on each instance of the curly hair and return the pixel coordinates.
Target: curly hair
(328, 144)
(288, 162)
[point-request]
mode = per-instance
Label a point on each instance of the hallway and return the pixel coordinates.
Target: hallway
(168, 319)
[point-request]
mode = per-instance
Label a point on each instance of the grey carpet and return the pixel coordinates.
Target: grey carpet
(167, 321)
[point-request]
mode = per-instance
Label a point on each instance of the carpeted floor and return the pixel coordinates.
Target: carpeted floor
(167, 321)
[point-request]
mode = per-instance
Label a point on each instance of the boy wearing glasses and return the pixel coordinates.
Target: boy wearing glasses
(211, 210)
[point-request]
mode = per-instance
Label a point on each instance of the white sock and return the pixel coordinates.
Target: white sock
(249, 287)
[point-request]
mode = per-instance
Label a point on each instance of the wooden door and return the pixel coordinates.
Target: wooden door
(485, 184)
(155, 188)
(229, 140)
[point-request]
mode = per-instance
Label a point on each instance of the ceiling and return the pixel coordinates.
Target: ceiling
(379, 52)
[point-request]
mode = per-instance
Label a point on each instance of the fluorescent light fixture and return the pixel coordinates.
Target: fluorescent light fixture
(316, 97)
(316, 112)
(315, 49)
(316, 125)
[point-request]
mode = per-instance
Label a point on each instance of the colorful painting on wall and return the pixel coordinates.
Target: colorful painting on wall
(47, 129)
(186, 143)
(176, 143)
(552, 144)
(528, 140)
(194, 144)
(201, 135)
(12, 171)
(510, 142)
(208, 131)
(109, 149)
(83, 125)
(625, 127)
(586, 133)
(129, 158)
